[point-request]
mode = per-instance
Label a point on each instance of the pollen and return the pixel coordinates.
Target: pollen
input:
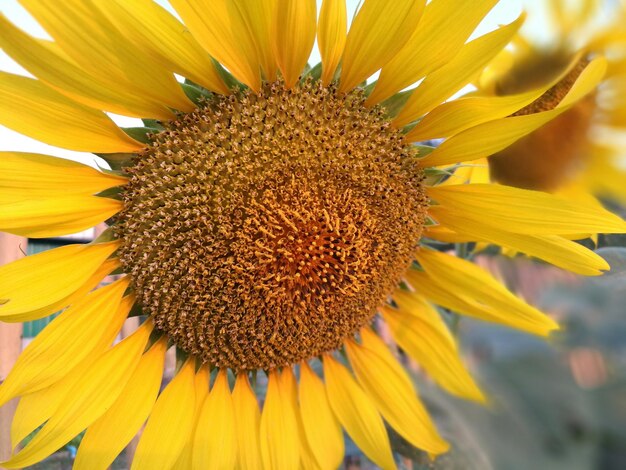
(266, 228)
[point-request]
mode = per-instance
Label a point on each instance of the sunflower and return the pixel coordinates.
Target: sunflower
(267, 222)
(579, 152)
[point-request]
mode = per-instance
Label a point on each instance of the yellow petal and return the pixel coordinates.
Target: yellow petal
(248, 422)
(444, 28)
(293, 35)
(465, 280)
(280, 443)
(34, 172)
(46, 62)
(456, 116)
(444, 82)
(419, 330)
(34, 409)
(222, 30)
(391, 390)
(201, 385)
(357, 413)
(522, 210)
(87, 400)
(53, 275)
(321, 428)
(96, 45)
(157, 33)
(94, 281)
(376, 35)
(551, 248)
(259, 16)
(331, 36)
(36, 110)
(170, 423)
(214, 444)
(491, 137)
(41, 217)
(108, 436)
(67, 340)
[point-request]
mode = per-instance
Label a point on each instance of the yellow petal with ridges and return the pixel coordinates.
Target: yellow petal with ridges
(376, 35)
(34, 409)
(390, 388)
(221, 29)
(156, 32)
(442, 31)
(494, 136)
(33, 173)
(356, 411)
(463, 303)
(201, 385)
(476, 286)
(95, 44)
(419, 330)
(248, 422)
(170, 423)
(293, 35)
(108, 436)
(67, 340)
(36, 110)
(94, 281)
(331, 36)
(46, 62)
(522, 210)
(455, 116)
(280, 442)
(87, 399)
(259, 17)
(53, 275)
(42, 217)
(321, 428)
(447, 80)
(553, 249)
(214, 443)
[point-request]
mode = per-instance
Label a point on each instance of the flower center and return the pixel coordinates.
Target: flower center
(548, 157)
(264, 229)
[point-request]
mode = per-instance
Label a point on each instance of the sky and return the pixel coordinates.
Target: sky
(505, 12)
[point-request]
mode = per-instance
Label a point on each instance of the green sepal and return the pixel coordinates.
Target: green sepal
(110, 171)
(155, 335)
(394, 104)
(106, 236)
(367, 88)
(136, 311)
(195, 94)
(314, 73)
(435, 176)
(154, 123)
(423, 149)
(230, 81)
(141, 134)
(117, 161)
(111, 193)
(181, 357)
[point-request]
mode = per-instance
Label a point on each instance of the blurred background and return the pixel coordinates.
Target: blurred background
(557, 405)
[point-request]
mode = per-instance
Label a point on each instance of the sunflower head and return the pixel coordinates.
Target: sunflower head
(553, 155)
(566, 152)
(269, 212)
